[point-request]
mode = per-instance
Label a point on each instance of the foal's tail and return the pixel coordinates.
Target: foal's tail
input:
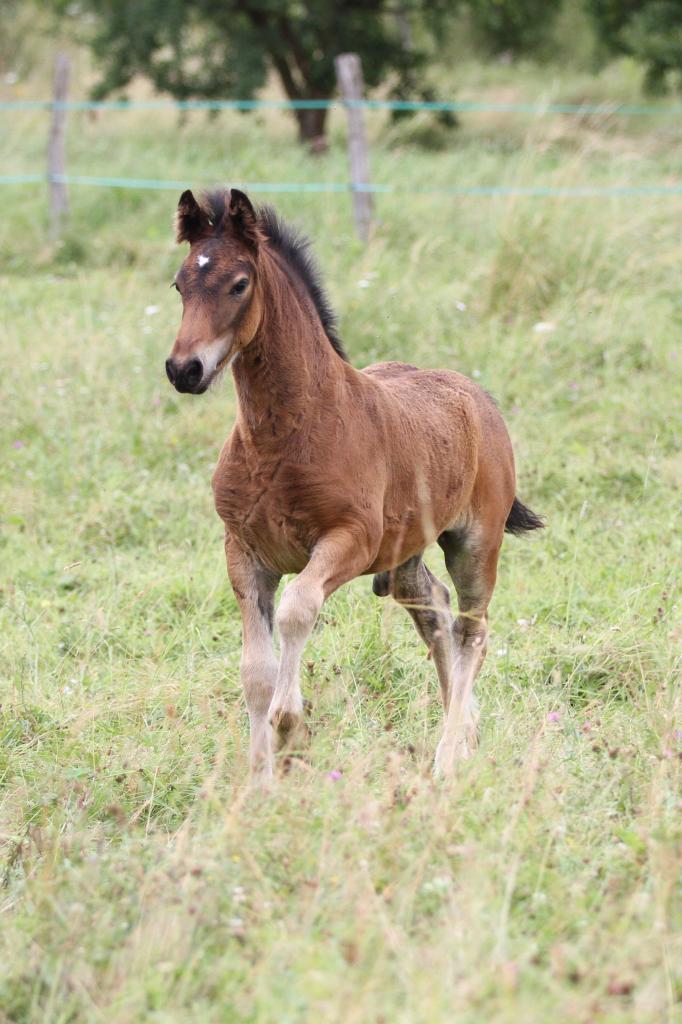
(521, 519)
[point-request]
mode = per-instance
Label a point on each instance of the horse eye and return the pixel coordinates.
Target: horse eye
(240, 287)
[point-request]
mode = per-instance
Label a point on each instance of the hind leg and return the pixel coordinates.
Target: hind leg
(472, 564)
(428, 602)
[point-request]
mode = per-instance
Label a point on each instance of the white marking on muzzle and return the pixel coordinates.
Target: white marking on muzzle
(215, 353)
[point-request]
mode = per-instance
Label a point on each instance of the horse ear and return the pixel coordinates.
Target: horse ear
(191, 222)
(243, 217)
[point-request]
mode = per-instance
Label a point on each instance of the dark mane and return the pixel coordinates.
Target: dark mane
(294, 248)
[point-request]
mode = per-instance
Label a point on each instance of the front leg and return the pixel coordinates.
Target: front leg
(255, 587)
(337, 558)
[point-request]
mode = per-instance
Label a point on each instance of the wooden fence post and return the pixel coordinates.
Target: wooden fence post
(56, 159)
(349, 78)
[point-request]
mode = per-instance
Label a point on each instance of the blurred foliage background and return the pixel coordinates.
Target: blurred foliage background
(208, 49)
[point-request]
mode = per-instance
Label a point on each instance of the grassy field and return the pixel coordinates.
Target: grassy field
(141, 879)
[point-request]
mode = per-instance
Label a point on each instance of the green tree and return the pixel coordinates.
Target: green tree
(22, 32)
(648, 30)
(513, 26)
(224, 48)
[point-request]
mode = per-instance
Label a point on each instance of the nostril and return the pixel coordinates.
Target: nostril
(185, 376)
(194, 371)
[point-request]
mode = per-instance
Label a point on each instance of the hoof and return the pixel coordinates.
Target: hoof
(261, 775)
(293, 761)
(289, 728)
(261, 781)
(285, 722)
(449, 755)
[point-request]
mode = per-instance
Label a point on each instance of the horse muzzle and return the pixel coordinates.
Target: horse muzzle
(186, 377)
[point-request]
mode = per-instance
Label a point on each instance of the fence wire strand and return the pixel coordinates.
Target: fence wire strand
(459, 106)
(342, 187)
(412, 106)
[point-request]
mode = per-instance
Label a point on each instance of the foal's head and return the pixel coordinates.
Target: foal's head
(221, 305)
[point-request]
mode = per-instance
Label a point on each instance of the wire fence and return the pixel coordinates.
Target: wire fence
(59, 106)
(154, 184)
(406, 106)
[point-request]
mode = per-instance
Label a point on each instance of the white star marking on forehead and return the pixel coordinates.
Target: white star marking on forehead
(203, 260)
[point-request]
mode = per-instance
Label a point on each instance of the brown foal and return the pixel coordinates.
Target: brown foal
(332, 472)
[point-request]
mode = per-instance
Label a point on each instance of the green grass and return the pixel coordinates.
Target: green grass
(141, 879)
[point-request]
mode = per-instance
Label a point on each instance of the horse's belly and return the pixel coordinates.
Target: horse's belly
(408, 534)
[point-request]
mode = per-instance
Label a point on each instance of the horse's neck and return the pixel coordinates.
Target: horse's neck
(286, 375)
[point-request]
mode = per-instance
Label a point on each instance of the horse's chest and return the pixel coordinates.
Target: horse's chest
(254, 506)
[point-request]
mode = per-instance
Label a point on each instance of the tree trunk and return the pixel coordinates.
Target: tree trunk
(311, 128)
(294, 79)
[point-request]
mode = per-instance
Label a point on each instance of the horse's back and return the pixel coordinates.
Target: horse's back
(431, 397)
(404, 379)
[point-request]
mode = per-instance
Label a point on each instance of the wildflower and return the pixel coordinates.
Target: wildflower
(544, 327)
(18, 444)
(554, 716)
(151, 310)
(335, 775)
(439, 884)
